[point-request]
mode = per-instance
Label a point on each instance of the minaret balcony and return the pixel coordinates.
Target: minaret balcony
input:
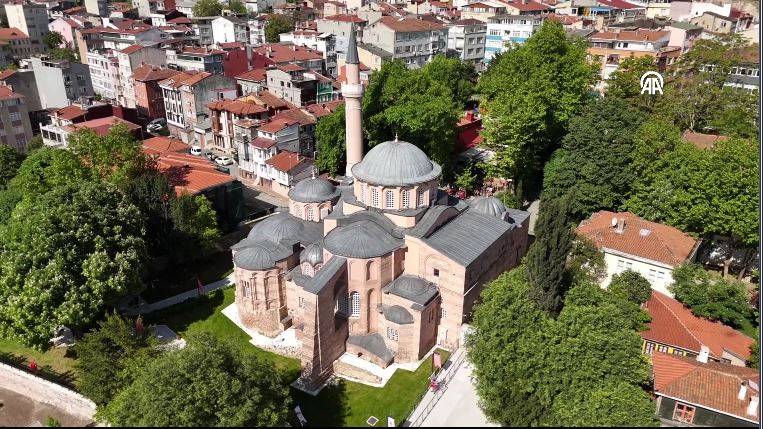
(352, 90)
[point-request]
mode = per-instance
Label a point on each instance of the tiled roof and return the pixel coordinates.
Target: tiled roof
(526, 6)
(650, 240)
(255, 75)
(287, 53)
(711, 385)
(319, 110)
(70, 112)
(231, 45)
(196, 50)
(180, 20)
(102, 126)
(148, 73)
(5, 74)
(563, 19)
(276, 125)
(618, 4)
(187, 173)
(163, 144)
(675, 325)
(639, 35)
(6, 93)
(291, 116)
(185, 78)
(702, 141)
(345, 18)
(286, 161)
(237, 107)
(409, 24)
(262, 142)
(131, 49)
(469, 21)
(12, 34)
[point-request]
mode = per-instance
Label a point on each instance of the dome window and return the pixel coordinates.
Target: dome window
(355, 304)
(406, 199)
(389, 199)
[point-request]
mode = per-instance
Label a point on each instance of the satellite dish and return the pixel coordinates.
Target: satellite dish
(614, 221)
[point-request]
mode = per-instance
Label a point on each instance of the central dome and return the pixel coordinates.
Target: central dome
(313, 191)
(396, 163)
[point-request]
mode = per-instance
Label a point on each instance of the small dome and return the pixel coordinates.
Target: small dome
(363, 239)
(412, 288)
(313, 254)
(396, 163)
(397, 314)
(313, 191)
(260, 255)
(278, 227)
(489, 206)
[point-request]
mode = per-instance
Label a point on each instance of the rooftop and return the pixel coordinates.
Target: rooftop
(408, 24)
(102, 126)
(287, 53)
(702, 141)
(639, 35)
(12, 34)
(286, 161)
(6, 93)
(148, 73)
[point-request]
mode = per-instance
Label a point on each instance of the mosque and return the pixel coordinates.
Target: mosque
(383, 267)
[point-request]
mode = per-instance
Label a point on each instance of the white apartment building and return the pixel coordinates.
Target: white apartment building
(656, 8)
(227, 29)
(32, 20)
(411, 40)
(262, 6)
(467, 37)
(502, 30)
(323, 42)
(104, 72)
(257, 30)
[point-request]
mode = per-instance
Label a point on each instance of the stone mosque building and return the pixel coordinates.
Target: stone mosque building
(383, 267)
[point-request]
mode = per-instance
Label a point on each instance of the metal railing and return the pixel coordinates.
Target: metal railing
(442, 379)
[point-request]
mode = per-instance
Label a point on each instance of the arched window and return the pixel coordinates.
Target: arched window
(421, 197)
(363, 193)
(389, 199)
(375, 197)
(298, 211)
(307, 269)
(355, 304)
(406, 199)
(309, 213)
(370, 269)
(342, 304)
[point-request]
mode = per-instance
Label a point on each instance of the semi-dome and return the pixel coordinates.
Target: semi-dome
(396, 163)
(490, 206)
(313, 191)
(260, 255)
(313, 254)
(363, 239)
(278, 227)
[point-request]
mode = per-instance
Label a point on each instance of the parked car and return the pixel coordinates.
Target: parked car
(196, 151)
(223, 160)
(210, 156)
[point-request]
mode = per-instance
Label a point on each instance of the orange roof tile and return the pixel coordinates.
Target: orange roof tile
(650, 240)
(262, 142)
(640, 35)
(238, 107)
(148, 73)
(710, 385)
(70, 112)
(319, 110)
(6, 93)
(163, 144)
(131, 49)
(102, 126)
(409, 24)
(286, 161)
(345, 18)
(12, 34)
(5, 74)
(675, 325)
(287, 53)
(255, 75)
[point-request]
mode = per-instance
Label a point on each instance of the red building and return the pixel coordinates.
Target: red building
(148, 95)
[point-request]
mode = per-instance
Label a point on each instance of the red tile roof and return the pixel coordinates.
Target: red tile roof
(255, 75)
(180, 20)
(702, 141)
(6, 93)
(618, 4)
(12, 34)
(70, 112)
(149, 73)
(319, 110)
(185, 78)
(675, 325)
(5, 74)
(286, 161)
(293, 115)
(187, 173)
(263, 143)
(102, 126)
(287, 53)
(409, 24)
(276, 125)
(131, 49)
(163, 144)
(526, 6)
(345, 18)
(650, 240)
(709, 385)
(640, 35)
(237, 107)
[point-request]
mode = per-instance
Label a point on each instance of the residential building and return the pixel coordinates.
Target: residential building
(23, 82)
(104, 73)
(15, 127)
(202, 26)
(504, 30)
(262, 6)
(339, 26)
(32, 20)
(276, 54)
(525, 7)
(191, 58)
(60, 81)
(147, 7)
(683, 35)
(149, 101)
(129, 60)
(292, 83)
(118, 35)
(252, 81)
(411, 40)
(186, 96)
(285, 169)
(66, 26)
(226, 115)
(684, 10)
(483, 11)
(97, 7)
(717, 24)
(257, 30)
(467, 37)
(372, 55)
(628, 242)
(322, 42)
(602, 13)
(17, 44)
(55, 135)
(673, 329)
(694, 392)
(656, 8)
(226, 29)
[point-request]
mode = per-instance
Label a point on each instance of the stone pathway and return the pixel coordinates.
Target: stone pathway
(169, 302)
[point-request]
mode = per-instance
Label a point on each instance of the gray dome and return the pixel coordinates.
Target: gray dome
(396, 163)
(490, 206)
(398, 314)
(260, 255)
(313, 191)
(363, 239)
(278, 227)
(412, 288)
(313, 254)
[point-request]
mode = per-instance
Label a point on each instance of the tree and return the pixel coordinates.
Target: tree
(237, 7)
(107, 357)
(207, 383)
(46, 169)
(584, 368)
(754, 360)
(330, 144)
(276, 25)
(194, 217)
(713, 298)
(10, 160)
(631, 286)
(625, 82)
(207, 8)
(529, 94)
(53, 40)
(65, 257)
(116, 157)
(547, 257)
(595, 158)
(466, 180)
(63, 54)
(35, 143)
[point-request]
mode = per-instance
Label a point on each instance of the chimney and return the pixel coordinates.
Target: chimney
(752, 408)
(704, 354)
(742, 391)
(619, 224)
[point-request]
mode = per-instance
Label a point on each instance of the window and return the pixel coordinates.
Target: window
(436, 272)
(302, 302)
(389, 199)
(392, 334)
(406, 199)
(342, 304)
(309, 213)
(443, 313)
(649, 348)
(421, 198)
(363, 193)
(662, 349)
(683, 413)
(355, 304)
(375, 197)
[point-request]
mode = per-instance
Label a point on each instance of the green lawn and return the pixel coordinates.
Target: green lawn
(53, 364)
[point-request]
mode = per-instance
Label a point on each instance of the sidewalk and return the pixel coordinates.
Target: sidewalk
(169, 302)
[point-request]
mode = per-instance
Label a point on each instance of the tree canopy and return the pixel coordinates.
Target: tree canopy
(116, 157)
(237, 6)
(10, 161)
(53, 39)
(276, 25)
(207, 383)
(207, 8)
(330, 143)
(631, 286)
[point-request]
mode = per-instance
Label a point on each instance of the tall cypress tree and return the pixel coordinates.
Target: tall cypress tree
(547, 257)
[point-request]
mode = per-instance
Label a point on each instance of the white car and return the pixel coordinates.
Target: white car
(195, 150)
(223, 160)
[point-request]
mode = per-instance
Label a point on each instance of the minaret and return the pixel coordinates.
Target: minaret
(352, 91)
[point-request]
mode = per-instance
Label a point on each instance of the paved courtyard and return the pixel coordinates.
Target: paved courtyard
(18, 410)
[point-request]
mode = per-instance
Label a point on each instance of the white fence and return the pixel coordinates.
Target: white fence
(430, 399)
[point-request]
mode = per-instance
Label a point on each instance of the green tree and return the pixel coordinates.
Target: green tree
(467, 180)
(207, 8)
(53, 39)
(632, 286)
(108, 357)
(754, 360)
(237, 7)
(63, 54)
(207, 383)
(116, 157)
(276, 25)
(46, 169)
(606, 406)
(35, 143)
(547, 258)
(194, 217)
(625, 82)
(529, 95)
(10, 161)
(329, 140)
(713, 298)
(65, 257)
(595, 158)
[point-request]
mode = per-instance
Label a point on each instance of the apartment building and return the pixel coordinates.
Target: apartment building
(483, 10)
(656, 8)
(117, 35)
(202, 26)
(129, 60)
(262, 6)
(503, 30)
(104, 73)
(66, 26)
(148, 98)
(227, 29)
(15, 127)
(97, 7)
(191, 58)
(411, 40)
(32, 20)
(225, 115)
(339, 26)
(257, 30)
(313, 39)
(467, 37)
(292, 83)
(276, 54)
(60, 81)
(55, 135)
(17, 44)
(252, 81)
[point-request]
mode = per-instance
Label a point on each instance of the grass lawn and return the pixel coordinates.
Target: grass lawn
(53, 364)
(182, 278)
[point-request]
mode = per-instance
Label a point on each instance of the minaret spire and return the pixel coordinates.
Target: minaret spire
(352, 91)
